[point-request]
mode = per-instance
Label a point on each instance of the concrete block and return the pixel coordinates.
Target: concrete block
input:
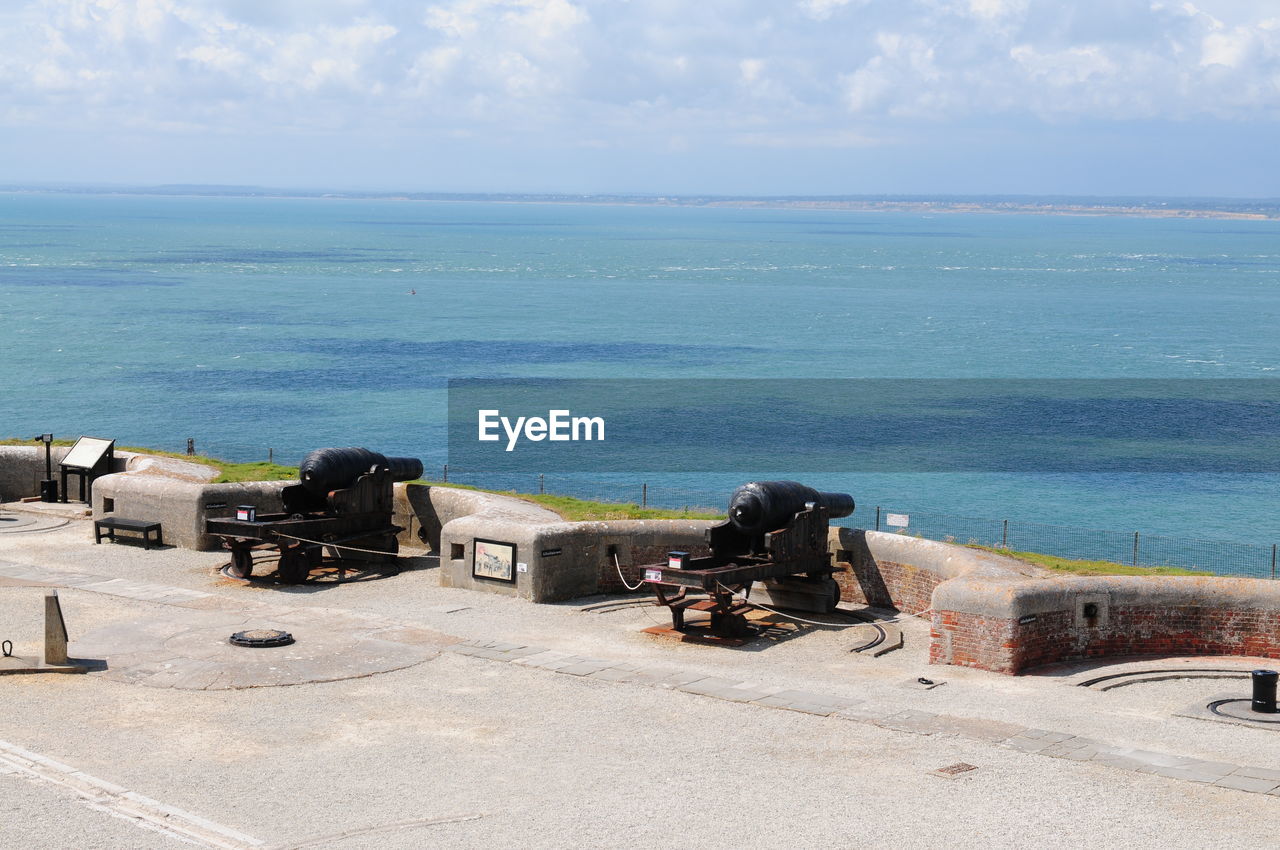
(1248, 783)
(55, 630)
(710, 686)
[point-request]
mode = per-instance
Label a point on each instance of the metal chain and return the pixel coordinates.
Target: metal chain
(336, 545)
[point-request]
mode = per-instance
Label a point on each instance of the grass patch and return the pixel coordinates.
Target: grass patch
(235, 473)
(228, 472)
(571, 509)
(1089, 568)
(581, 510)
(584, 510)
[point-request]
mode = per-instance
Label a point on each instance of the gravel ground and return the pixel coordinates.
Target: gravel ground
(551, 760)
(37, 816)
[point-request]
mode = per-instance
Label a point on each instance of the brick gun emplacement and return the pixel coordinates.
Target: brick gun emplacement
(343, 502)
(775, 530)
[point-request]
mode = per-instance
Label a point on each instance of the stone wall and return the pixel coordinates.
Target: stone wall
(1012, 627)
(999, 614)
(22, 470)
(561, 560)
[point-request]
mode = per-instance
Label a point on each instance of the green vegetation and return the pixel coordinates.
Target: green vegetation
(1089, 568)
(571, 509)
(228, 472)
(583, 510)
(579, 510)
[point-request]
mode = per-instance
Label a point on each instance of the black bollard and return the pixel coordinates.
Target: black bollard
(1264, 691)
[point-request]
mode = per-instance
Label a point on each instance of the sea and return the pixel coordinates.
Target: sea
(260, 326)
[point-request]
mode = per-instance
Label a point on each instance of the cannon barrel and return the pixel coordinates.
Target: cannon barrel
(762, 506)
(337, 468)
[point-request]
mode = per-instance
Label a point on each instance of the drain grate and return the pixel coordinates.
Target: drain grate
(256, 638)
(953, 770)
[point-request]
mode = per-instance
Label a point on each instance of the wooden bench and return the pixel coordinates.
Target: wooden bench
(113, 524)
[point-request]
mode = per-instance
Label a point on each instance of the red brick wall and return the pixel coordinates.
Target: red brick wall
(633, 566)
(885, 584)
(1006, 646)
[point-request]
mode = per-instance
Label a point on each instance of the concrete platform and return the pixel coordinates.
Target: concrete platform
(30, 664)
(26, 522)
(554, 724)
(59, 510)
(190, 650)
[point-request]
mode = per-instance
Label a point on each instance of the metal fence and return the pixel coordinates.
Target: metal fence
(1134, 548)
(1256, 560)
(639, 493)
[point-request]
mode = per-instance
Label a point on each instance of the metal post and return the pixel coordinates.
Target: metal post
(446, 474)
(877, 517)
(1135, 548)
(644, 503)
(271, 455)
(191, 445)
(1273, 561)
(542, 484)
(1004, 536)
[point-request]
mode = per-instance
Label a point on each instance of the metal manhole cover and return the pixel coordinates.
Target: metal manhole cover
(953, 770)
(261, 638)
(1241, 709)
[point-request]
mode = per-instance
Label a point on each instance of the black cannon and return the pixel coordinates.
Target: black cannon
(776, 530)
(343, 503)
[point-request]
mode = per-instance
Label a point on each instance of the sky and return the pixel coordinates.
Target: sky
(743, 97)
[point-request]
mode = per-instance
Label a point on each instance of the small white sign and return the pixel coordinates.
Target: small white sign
(897, 520)
(522, 568)
(653, 575)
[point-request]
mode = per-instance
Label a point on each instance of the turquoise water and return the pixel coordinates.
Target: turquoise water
(253, 323)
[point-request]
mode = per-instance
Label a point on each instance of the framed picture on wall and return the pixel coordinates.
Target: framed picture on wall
(493, 559)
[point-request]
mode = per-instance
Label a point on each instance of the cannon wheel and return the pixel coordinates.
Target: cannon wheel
(241, 562)
(294, 567)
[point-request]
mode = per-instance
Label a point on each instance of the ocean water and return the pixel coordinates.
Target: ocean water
(256, 323)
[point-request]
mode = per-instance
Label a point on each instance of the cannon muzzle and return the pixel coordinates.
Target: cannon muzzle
(762, 506)
(324, 470)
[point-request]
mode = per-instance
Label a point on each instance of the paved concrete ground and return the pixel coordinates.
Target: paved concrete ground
(472, 748)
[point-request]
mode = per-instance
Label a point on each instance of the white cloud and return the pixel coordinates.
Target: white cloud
(820, 10)
(661, 68)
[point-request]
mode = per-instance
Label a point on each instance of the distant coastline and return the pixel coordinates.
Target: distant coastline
(1258, 209)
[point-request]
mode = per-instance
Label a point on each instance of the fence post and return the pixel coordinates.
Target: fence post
(271, 455)
(1135, 548)
(1004, 536)
(446, 474)
(644, 496)
(191, 446)
(1273, 560)
(542, 484)
(877, 517)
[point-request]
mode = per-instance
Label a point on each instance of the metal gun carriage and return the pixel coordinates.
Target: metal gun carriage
(776, 530)
(343, 503)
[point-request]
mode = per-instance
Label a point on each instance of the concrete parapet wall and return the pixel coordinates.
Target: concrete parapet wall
(562, 560)
(999, 614)
(180, 505)
(22, 470)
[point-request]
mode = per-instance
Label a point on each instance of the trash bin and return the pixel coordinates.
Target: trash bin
(1264, 691)
(49, 490)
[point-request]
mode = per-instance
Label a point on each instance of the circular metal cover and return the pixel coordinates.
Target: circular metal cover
(1240, 709)
(261, 638)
